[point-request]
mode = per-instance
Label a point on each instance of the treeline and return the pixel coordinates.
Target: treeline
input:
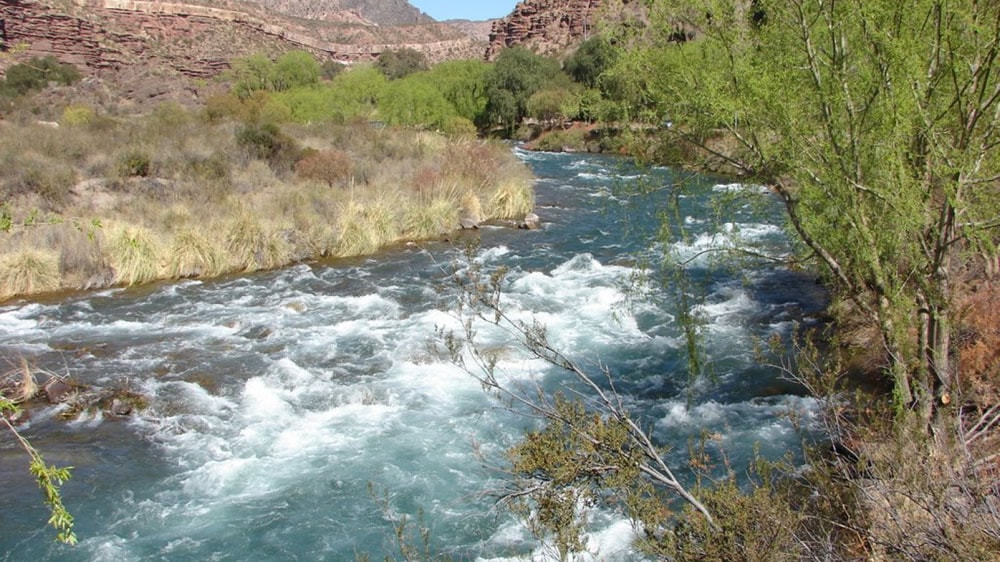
(401, 88)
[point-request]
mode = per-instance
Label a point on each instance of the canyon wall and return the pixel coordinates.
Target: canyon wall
(200, 40)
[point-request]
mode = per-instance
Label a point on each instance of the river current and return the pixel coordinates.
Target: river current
(300, 414)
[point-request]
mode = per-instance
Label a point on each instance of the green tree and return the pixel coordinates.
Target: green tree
(515, 76)
(399, 64)
(251, 74)
(415, 101)
(590, 60)
(462, 83)
(876, 123)
(294, 69)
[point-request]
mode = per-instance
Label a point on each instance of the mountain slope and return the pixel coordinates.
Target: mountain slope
(381, 12)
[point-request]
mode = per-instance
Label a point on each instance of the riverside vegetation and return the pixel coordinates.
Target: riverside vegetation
(875, 124)
(198, 193)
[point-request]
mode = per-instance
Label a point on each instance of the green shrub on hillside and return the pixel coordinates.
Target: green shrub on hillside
(37, 73)
(134, 163)
(77, 115)
(266, 142)
(399, 64)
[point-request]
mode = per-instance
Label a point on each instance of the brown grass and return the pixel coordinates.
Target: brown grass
(179, 198)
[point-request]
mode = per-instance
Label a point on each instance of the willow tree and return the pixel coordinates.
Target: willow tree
(876, 122)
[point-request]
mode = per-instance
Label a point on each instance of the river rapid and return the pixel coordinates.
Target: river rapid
(300, 414)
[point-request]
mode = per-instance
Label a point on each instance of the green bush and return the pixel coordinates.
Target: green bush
(77, 115)
(37, 73)
(399, 64)
(134, 163)
(266, 142)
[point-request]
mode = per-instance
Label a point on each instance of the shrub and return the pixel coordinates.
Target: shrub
(28, 271)
(51, 182)
(398, 64)
(76, 115)
(37, 73)
(328, 166)
(557, 141)
(267, 142)
(329, 69)
(459, 127)
(133, 163)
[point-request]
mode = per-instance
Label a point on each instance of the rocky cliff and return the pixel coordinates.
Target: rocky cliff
(554, 27)
(199, 40)
(381, 12)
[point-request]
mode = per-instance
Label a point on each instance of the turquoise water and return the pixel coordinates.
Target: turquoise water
(279, 400)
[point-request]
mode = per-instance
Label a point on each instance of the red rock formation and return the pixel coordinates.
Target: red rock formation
(200, 40)
(552, 26)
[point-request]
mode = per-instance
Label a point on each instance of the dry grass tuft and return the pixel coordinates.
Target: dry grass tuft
(432, 219)
(133, 254)
(512, 199)
(192, 254)
(252, 245)
(28, 271)
(363, 229)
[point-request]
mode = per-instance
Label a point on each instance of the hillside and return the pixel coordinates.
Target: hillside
(150, 46)
(381, 12)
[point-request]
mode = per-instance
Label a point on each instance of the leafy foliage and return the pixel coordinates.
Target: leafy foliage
(886, 185)
(37, 73)
(399, 64)
(257, 73)
(515, 76)
(590, 60)
(48, 477)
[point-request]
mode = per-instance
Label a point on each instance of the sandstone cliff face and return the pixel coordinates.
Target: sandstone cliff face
(199, 40)
(553, 27)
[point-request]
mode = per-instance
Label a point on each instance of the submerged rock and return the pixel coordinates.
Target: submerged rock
(57, 391)
(531, 221)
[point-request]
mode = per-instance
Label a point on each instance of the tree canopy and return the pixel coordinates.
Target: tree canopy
(876, 122)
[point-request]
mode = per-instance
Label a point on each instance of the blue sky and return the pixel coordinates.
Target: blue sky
(465, 9)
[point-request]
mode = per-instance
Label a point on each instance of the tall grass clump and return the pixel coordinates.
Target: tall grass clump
(133, 254)
(433, 218)
(252, 245)
(363, 229)
(511, 199)
(28, 271)
(191, 254)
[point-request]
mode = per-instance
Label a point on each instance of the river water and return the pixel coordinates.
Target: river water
(300, 414)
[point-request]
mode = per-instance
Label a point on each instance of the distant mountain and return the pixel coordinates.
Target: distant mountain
(199, 37)
(381, 12)
(477, 30)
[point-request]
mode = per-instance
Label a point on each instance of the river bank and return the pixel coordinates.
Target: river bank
(95, 201)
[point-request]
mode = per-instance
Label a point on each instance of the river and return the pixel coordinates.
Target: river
(298, 414)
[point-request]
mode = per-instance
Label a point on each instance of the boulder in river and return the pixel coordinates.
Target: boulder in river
(531, 221)
(57, 390)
